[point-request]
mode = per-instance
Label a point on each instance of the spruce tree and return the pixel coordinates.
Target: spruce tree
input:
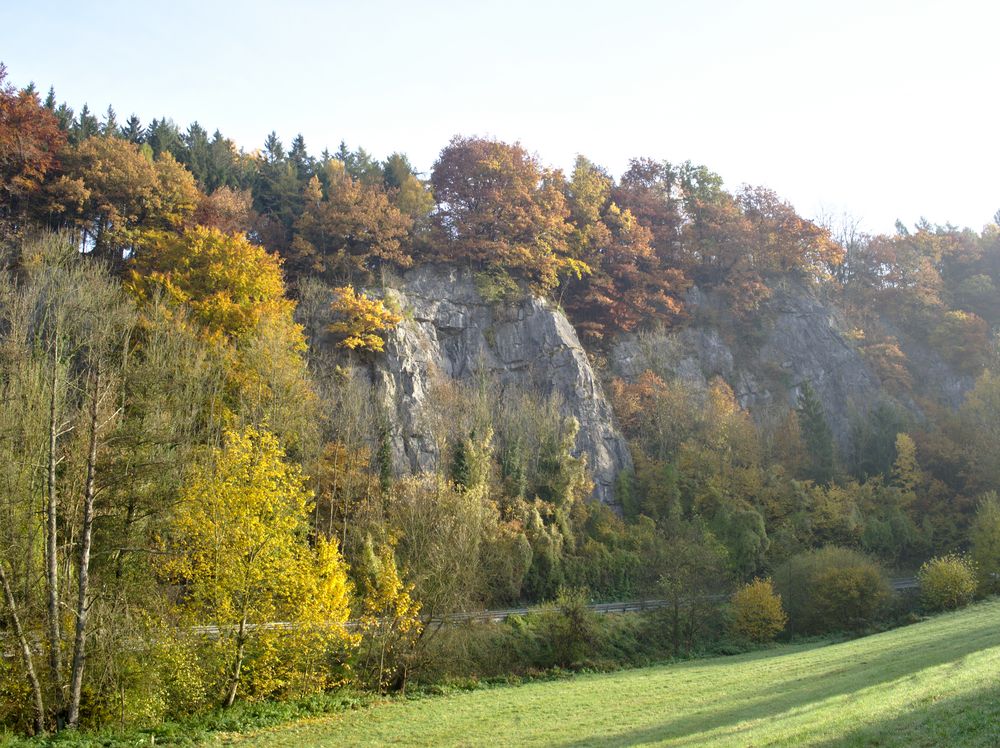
(132, 130)
(109, 128)
(816, 435)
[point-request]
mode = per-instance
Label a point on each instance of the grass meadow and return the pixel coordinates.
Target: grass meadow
(934, 683)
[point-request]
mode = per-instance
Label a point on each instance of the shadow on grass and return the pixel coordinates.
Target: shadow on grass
(842, 674)
(970, 721)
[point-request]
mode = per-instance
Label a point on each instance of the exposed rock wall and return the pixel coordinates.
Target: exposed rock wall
(450, 330)
(795, 338)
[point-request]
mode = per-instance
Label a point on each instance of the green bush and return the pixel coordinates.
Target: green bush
(570, 627)
(496, 285)
(832, 589)
(947, 582)
(985, 538)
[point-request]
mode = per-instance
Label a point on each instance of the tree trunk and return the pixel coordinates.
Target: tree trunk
(126, 538)
(237, 664)
(677, 627)
(29, 665)
(51, 537)
(83, 573)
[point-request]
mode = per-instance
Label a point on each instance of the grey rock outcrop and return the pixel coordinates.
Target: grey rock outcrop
(797, 338)
(450, 330)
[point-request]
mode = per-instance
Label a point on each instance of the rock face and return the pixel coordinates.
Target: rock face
(450, 330)
(797, 338)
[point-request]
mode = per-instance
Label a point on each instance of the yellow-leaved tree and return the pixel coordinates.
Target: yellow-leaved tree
(359, 321)
(757, 612)
(390, 623)
(233, 293)
(241, 554)
(228, 283)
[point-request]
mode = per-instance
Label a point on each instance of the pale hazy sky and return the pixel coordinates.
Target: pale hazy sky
(881, 109)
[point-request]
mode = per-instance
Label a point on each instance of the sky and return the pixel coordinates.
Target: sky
(877, 110)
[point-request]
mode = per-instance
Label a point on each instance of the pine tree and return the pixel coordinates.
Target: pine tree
(85, 126)
(109, 128)
(817, 436)
(132, 130)
(164, 137)
(274, 151)
(299, 156)
(64, 113)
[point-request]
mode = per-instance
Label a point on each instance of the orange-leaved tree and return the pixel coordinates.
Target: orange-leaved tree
(30, 142)
(498, 208)
(119, 194)
(627, 283)
(349, 231)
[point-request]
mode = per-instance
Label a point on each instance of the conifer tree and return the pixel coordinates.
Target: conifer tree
(817, 436)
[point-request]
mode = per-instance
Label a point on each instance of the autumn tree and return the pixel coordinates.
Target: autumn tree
(757, 612)
(651, 190)
(626, 284)
(30, 144)
(240, 551)
(360, 322)
(739, 243)
(498, 208)
(348, 231)
(906, 472)
(390, 622)
(228, 283)
(831, 589)
(124, 195)
(784, 242)
(228, 210)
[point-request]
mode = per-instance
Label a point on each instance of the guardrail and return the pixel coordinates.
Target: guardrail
(496, 616)
(625, 606)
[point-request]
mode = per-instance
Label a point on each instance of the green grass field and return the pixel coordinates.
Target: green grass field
(936, 683)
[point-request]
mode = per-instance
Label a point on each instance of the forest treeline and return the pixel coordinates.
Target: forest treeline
(180, 451)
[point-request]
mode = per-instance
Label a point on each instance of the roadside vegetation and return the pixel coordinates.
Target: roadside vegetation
(930, 683)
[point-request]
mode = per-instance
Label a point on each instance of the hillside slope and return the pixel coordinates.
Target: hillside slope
(929, 684)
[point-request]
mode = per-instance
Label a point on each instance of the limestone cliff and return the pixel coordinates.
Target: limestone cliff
(795, 337)
(450, 330)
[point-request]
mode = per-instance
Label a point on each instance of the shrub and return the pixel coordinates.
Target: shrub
(757, 612)
(986, 543)
(832, 589)
(497, 285)
(850, 598)
(947, 582)
(570, 627)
